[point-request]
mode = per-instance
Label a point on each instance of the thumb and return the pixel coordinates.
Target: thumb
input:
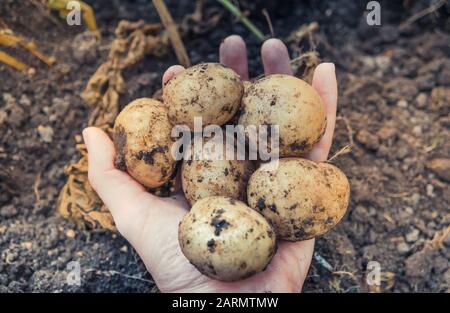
(121, 194)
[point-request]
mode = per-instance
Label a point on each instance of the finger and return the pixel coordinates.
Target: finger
(303, 251)
(121, 194)
(275, 57)
(233, 53)
(171, 72)
(324, 81)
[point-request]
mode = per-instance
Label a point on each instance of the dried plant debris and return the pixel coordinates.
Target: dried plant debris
(134, 40)
(200, 21)
(418, 265)
(304, 33)
(79, 202)
(12, 61)
(305, 64)
(307, 60)
(9, 39)
(172, 31)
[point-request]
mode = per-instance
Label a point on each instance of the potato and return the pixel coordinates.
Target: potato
(290, 103)
(143, 142)
(206, 178)
(225, 239)
(302, 199)
(208, 90)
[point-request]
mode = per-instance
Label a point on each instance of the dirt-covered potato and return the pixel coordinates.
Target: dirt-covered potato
(208, 90)
(143, 142)
(225, 239)
(292, 104)
(205, 178)
(302, 199)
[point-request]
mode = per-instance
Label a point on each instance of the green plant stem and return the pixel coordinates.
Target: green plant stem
(234, 10)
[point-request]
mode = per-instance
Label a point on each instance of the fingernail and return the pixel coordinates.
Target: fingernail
(235, 37)
(85, 135)
(331, 65)
(274, 41)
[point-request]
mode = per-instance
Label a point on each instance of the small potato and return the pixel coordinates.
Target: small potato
(225, 239)
(143, 142)
(202, 178)
(302, 199)
(207, 90)
(290, 103)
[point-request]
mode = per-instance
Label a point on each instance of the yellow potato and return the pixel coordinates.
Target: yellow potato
(225, 239)
(143, 143)
(290, 103)
(206, 178)
(208, 90)
(301, 199)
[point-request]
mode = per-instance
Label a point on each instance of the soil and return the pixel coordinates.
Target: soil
(394, 106)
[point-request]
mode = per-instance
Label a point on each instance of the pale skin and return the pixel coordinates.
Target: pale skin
(150, 223)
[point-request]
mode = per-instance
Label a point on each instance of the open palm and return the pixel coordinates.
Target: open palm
(150, 223)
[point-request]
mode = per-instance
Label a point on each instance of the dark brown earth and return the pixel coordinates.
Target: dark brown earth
(393, 109)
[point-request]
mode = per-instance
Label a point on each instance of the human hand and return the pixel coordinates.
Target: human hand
(150, 223)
